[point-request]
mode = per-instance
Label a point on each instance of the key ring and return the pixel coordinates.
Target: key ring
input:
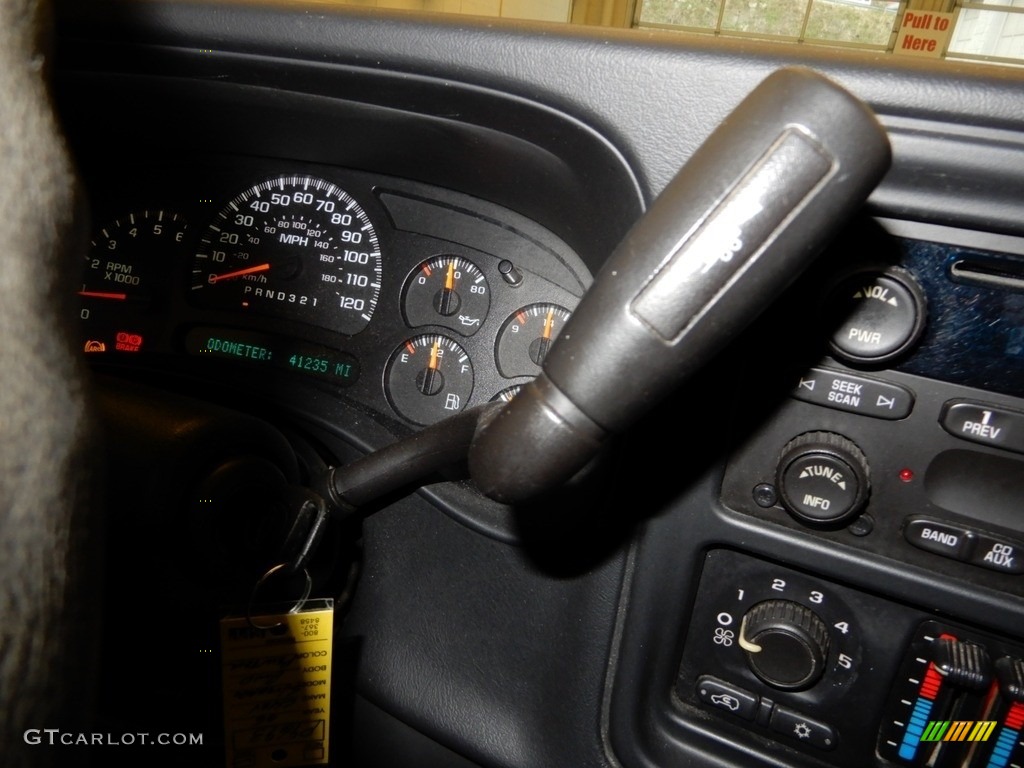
(262, 580)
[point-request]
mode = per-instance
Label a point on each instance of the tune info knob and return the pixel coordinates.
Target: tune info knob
(786, 644)
(822, 478)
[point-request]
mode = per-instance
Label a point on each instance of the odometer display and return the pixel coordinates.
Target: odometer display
(295, 247)
(332, 365)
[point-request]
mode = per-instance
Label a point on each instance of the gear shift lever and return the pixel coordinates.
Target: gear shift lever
(747, 213)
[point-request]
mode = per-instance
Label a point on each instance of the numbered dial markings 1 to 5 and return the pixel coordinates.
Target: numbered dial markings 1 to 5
(128, 261)
(295, 247)
(428, 378)
(449, 291)
(791, 633)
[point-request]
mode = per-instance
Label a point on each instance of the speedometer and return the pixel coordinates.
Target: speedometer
(295, 247)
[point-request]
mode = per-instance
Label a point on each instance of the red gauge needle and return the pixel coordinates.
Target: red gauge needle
(238, 273)
(104, 295)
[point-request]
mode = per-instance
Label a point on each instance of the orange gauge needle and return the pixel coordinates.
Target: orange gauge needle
(431, 381)
(544, 344)
(238, 273)
(447, 302)
(104, 295)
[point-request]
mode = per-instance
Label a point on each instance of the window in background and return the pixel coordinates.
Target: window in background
(864, 23)
(539, 10)
(991, 30)
(773, 18)
(987, 30)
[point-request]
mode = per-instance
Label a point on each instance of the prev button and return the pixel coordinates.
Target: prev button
(985, 424)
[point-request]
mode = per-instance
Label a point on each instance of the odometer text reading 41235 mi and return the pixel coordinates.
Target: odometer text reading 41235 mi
(295, 247)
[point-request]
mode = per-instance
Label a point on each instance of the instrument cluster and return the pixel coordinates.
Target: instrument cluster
(409, 299)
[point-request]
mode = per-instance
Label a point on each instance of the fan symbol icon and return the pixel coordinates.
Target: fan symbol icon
(724, 637)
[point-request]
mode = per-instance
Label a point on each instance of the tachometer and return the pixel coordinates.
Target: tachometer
(295, 247)
(128, 263)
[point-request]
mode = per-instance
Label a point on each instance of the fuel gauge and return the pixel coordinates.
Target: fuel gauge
(526, 337)
(447, 290)
(429, 377)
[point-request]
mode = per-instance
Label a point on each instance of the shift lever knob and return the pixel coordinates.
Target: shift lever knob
(749, 211)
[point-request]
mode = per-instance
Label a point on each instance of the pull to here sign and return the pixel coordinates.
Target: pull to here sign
(924, 34)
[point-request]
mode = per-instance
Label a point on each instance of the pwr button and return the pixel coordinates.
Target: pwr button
(879, 315)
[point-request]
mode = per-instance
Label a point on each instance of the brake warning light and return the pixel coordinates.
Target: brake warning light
(128, 342)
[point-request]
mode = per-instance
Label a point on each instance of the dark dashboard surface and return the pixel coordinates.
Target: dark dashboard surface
(465, 181)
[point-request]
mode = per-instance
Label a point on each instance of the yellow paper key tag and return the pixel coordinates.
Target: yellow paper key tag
(277, 686)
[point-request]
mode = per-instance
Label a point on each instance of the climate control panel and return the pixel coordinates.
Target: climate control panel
(958, 700)
(786, 656)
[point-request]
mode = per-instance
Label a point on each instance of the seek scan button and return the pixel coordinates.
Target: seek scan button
(939, 537)
(854, 394)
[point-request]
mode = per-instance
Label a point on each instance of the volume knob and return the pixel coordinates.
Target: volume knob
(786, 644)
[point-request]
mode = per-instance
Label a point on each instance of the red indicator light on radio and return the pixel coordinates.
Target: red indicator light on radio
(906, 475)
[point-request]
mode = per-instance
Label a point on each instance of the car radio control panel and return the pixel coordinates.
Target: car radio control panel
(902, 432)
(891, 430)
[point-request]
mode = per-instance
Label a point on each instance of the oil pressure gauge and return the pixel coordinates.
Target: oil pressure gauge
(428, 378)
(447, 290)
